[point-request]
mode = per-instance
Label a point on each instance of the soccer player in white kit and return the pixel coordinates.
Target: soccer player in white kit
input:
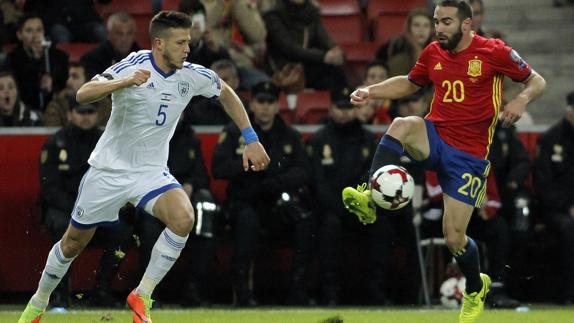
(149, 91)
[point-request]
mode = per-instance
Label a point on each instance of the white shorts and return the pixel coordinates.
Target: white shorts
(103, 192)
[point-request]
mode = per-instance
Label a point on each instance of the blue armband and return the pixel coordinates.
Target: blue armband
(249, 135)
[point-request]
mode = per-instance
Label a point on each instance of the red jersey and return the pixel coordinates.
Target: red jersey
(468, 90)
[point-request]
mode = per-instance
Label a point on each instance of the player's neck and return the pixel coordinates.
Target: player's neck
(464, 43)
(161, 63)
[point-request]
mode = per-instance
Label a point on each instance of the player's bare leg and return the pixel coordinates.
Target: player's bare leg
(408, 134)
(455, 221)
(174, 209)
(57, 264)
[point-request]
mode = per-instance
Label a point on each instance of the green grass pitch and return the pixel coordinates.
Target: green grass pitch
(296, 315)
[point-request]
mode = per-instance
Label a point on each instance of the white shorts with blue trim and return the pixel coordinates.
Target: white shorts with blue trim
(103, 192)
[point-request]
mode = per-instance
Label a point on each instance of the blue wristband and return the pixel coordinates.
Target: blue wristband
(249, 135)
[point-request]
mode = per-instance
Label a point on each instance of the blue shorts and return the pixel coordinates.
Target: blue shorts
(461, 175)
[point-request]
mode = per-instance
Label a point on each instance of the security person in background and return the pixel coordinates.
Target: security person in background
(554, 175)
(186, 164)
(340, 155)
(63, 162)
(269, 202)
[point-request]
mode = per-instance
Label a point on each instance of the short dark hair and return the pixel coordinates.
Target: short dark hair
(28, 16)
(464, 9)
(191, 6)
(168, 19)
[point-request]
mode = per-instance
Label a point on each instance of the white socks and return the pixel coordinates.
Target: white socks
(163, 255)
(56, 267)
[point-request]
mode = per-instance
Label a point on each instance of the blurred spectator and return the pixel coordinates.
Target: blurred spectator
(186, 164)
(375, 111)
(205, 111)
(70, 20)
(341, 154)
(511, 165)
(296, 35)
(238, 27)
(63, 163)
(11, 11)
(13, 112)
(402, 52)
(205, 50)
(269, 202)
(121, 29)
(410, 105)
(56, 114)
(39, 68)
(478, 17)
(554, 175)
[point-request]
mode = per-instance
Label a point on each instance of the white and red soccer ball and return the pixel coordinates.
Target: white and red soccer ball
(392, 187)
(451, 292)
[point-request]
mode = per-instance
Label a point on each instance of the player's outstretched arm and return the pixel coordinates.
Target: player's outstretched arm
(392, 88)
(254, 151)
(535, 85)
(99, 86)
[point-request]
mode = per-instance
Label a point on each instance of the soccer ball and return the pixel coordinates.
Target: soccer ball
(392, 187)
(451, 292)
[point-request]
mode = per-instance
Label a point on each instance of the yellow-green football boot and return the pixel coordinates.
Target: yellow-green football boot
(359, 202)
(473, 304)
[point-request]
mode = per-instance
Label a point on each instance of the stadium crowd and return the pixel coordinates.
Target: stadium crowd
(289, 68)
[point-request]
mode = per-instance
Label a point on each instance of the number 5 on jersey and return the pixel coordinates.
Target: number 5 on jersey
(161, 115)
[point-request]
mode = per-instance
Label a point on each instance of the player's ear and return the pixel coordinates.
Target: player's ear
(467, 24)
(158, 43)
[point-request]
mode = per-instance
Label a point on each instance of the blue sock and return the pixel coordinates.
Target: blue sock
(388, 152)
(469, 263)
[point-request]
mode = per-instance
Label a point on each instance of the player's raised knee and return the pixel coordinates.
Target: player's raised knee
(183, 221)
(400, 127)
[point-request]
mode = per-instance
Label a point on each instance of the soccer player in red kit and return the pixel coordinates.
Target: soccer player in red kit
(453, 139)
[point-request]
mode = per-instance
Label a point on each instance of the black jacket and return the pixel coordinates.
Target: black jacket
(63, 162)
(295, 34)
(100, 58)
(341, 156)
(186, 158)
(509, 161)
(287, 171)
(28, 71)
(554, 168)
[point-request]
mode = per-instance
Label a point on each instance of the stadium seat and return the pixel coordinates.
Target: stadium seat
(312, 106)
(391, 7)
(170, 5)
(288, 115)
(76, 50)
(339, 7)
(344, 29)
(133, 7)
(142, 35)
(388, 26)
(357, 56)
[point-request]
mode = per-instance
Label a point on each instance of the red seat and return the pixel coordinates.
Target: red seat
(344, 29)
(388, 26)
(312, 106)
(76, 50)
(170, 5)
(142, 34)
(339, 7)
(132, 7)
(391, 7)
(357, 57)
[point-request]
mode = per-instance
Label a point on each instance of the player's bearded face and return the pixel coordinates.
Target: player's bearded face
(449, 42)
(177, 48)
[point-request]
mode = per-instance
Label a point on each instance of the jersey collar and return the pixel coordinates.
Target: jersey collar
(157, 69)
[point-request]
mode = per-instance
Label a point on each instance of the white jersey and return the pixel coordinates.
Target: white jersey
(144, 117)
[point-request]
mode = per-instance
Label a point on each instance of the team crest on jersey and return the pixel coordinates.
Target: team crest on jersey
(474, 67)
(183, 87)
